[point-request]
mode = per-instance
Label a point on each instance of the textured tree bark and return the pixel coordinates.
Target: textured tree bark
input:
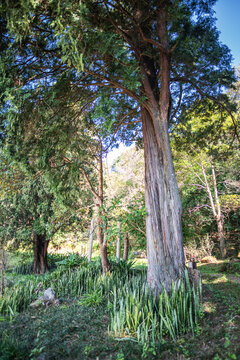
(163, 205)
(40, 265)
(126, 248)
(104, 258)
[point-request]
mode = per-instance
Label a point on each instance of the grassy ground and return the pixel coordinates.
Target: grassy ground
(73, 331)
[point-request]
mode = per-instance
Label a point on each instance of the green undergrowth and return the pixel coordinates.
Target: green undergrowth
(231, 268)
(226, 267)
(134, 313)
(117, 317)
(211, 268)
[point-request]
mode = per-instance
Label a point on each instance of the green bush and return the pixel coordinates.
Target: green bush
(230, 268)
(121, 267)
(72, 261)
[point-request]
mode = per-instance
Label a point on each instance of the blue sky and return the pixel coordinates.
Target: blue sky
(228, 22)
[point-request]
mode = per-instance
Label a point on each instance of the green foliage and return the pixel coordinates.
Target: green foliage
(64, 331)
(230, 268)
(24, 269)
(230, 202)
(137, 313)
(125, 193)
(72, 261)
(207, 138)
(26, 266)
(10, 348)
(121, 267)
(92, 299)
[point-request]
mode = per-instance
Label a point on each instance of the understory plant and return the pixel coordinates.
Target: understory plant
(136, 312)
(133, 309)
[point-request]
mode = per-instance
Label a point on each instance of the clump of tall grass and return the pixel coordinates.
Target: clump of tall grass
(134, 311)
(65, 283)
(24, 269)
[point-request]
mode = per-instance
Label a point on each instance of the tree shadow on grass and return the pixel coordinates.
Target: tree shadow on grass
(65, 332)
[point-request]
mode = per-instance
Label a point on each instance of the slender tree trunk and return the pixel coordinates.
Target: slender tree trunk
(219, 217)
(100, 222)
(3, 266)
(118, 252)
(98, 199)
(102, 243)
(221, 237)
(40, 265)
(216, 208)
(91, 240)
(163, 205)
(126, 248)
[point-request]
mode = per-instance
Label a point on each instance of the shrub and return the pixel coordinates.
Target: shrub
(72, 261)
(230, 268)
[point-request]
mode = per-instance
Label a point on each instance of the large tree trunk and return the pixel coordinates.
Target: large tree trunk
(40, 265)
(163, 205)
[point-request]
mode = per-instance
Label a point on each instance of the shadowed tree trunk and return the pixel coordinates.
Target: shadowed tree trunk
(40, 265)
(126, 248)
(91, 235)
(3, 263)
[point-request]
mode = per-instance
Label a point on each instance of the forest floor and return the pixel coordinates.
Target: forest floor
(72, 331)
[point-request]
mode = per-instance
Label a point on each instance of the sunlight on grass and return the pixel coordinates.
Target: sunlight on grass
(209, 307)
(140, 262)
(222, 279)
